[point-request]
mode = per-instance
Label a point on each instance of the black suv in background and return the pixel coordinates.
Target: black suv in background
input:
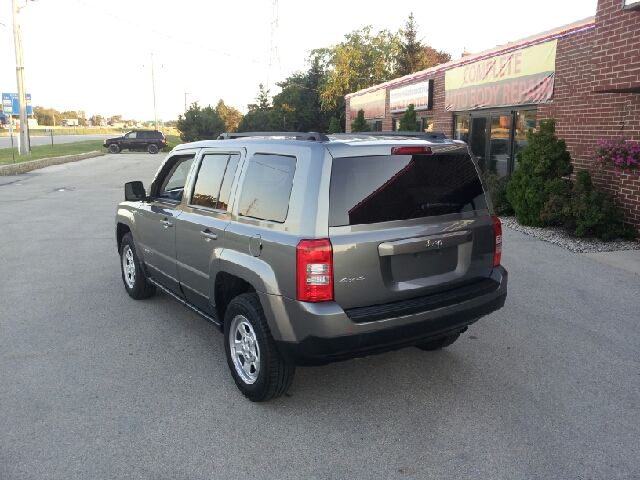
(149, 140)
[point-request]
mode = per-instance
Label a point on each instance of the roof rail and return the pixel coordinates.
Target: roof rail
(422, 135)
(313, 136)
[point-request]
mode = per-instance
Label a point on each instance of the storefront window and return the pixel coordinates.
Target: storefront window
(525, 121)
(426, 124)
(461, 128)
(499, 146)
(375, 125)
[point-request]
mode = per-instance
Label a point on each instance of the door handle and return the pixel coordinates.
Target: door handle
(209, 235)
(166, 223)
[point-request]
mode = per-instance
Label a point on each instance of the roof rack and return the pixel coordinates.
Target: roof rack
(422, 135)
(313, 136)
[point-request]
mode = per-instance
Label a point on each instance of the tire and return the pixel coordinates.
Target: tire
(247, 338)
(152, 148)
(439, 343)
(114, 148)
(133, 278)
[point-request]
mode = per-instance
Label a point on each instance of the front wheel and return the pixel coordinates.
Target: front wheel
(114, 148)
(134, 282)
(152, 148)
(257, 367)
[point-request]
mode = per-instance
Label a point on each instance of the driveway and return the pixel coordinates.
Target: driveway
(96, 385)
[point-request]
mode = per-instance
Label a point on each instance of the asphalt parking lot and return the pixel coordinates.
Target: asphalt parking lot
(96, 385)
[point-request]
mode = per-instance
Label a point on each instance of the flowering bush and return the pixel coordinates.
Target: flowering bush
(617, 155)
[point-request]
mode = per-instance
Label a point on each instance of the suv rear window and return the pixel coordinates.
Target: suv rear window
(378, 189)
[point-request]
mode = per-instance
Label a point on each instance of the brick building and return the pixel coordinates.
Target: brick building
(586, 75)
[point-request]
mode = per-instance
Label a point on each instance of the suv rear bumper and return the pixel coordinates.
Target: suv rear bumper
(322, 333)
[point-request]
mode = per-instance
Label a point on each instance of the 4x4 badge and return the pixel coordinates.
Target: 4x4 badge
(349, 280)
(434, 243)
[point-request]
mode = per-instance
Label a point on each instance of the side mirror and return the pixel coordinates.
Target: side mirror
(134, 192)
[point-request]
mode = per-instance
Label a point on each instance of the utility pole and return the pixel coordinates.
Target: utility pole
(185, 100)
(25, 148)
(153, 82)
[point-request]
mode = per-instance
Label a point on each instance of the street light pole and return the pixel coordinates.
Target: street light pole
(25, 148)
(185, 100)
(153, 82)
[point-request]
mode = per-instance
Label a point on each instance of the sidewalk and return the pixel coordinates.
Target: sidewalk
(628, 260)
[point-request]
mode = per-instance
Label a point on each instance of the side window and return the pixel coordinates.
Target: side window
(131, 135)
(172, 180)
(207, 187)
(267, 187)
(142, 135)
(225, 190)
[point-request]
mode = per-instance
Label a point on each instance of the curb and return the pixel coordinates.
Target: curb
(24, 167)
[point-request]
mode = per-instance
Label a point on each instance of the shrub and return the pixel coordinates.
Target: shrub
(334, 126)
(360, 124)
(617, 155)
(594, 212)
(408, 120)
(538, 178)
(497, 187)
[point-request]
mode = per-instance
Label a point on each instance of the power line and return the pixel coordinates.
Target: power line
(170, 37)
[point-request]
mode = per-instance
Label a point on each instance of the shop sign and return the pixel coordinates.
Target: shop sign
(521, 77)
(418, 94)
(372, 104)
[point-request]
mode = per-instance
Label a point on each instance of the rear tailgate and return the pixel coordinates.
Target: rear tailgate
(408, 226)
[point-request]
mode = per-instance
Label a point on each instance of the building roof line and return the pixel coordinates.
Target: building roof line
(543, 37)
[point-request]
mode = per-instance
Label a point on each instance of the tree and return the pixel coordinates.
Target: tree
(257, 118)
(69, 114)
(47, 116)
(231, 116)
(536, 190)
(334, 126)
(360, 124)
(115, 119)
(96, 120)
(297, 106)
(408, 121)
(412, 57)
(200, 124)
(360, 61)
(435, 57)
(263, 98)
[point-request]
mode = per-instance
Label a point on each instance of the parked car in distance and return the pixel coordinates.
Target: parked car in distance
(150, 140)
(306, 249)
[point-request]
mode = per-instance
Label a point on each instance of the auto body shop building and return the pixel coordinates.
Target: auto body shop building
(586, 75)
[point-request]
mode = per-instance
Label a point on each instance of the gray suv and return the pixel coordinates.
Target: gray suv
(306, 249)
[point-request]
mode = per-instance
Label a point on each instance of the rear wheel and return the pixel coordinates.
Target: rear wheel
(134, 282)
(152, 148)
(114, 148)
(257, 367)
(439, 343)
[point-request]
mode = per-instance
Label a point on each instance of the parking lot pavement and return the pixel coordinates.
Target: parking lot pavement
(96, 385)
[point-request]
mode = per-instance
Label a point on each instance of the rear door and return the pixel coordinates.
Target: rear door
(404, 226)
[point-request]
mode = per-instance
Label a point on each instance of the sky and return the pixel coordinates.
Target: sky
(96, 55)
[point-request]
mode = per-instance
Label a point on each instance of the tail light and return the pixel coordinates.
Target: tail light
(411, 150)
(314, 270)
(497, 250)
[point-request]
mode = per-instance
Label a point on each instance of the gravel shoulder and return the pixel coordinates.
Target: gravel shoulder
(560, 237)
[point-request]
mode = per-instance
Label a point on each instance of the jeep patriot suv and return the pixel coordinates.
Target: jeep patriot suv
(306, 249)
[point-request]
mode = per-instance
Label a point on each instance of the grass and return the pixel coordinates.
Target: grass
(47, 151)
